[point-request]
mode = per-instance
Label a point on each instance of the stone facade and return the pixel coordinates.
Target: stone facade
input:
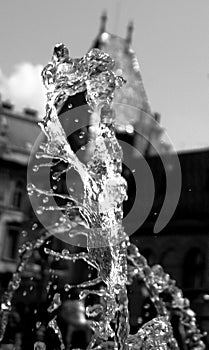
(18, 132)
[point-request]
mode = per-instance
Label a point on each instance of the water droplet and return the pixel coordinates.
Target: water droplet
(54, 187)
(76, 120)
(34, 226)
(6, 305)
(56, 175)
(63, 219)
(42, 146)
(70, 105)
(65, 252)
(81, 135)
(38, 324)
(45, 199)
(38, 155)
(24, 233)
(66, 287)
(30, 187)
(24, 293)
(40, 210)
(36, 168)
(30, 193)
(133, 170)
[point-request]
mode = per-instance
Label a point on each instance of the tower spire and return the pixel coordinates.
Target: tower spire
(130, 29)
(103, 22)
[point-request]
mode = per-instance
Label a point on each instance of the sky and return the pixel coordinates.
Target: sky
(171, 40)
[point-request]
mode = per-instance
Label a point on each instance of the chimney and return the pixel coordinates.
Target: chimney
(103, 22)
(30, 112)
(7, 105)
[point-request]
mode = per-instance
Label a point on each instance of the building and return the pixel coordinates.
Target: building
(134, 117)
(182, 247)
(18, 132)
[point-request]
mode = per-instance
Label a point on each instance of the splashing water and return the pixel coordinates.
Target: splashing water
(99, 217)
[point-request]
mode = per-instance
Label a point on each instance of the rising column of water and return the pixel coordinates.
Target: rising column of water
(104, 187)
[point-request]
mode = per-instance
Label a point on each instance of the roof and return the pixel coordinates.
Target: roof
(126, 64)
(131, 101)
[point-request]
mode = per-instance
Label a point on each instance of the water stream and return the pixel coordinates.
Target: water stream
(98, 217)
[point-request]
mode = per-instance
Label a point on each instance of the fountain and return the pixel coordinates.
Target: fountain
(98, 217)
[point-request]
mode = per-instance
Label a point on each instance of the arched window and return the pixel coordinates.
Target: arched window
(150, 256)
(4, 183)
(3, 126)
(11, 241)
(18, 194)
(193, 268)
(170, 263)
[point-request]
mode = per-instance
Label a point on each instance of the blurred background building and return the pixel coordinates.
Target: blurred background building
(18, 132)
(182, 247)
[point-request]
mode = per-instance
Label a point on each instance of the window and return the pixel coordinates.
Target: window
(3, 126)
(11, 241)
(193, 268)
(170, 263)
(150, 256)
(18, 194)
(3, 185)
(168, 259)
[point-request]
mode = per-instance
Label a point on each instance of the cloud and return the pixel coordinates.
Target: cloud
(23, 87)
